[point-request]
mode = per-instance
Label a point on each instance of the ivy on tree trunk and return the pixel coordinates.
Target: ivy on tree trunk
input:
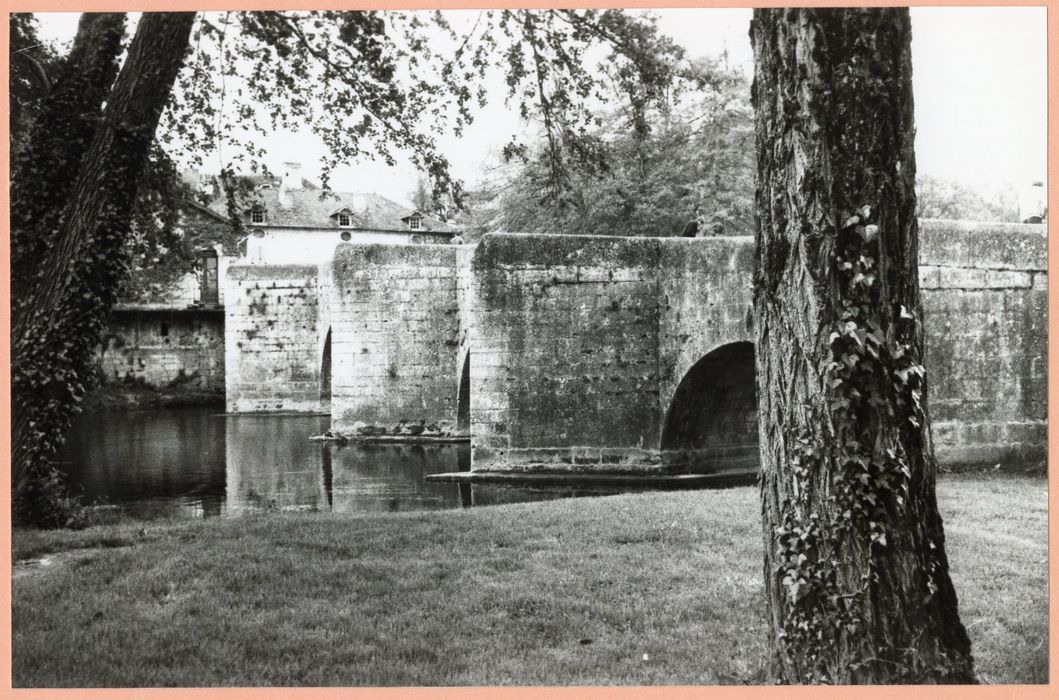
(73, 229)
(856, 577)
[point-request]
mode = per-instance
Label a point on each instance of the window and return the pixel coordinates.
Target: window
(257, 216)
(346, 235)
(208, 281)
(344, 219)
(415, 222)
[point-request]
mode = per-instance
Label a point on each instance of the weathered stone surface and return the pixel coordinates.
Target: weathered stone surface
(564, 352)
(987, 369)
(603, 354)
(984, 246)
(705, 298)
(164, 348)
(273, 339)
(395, 339)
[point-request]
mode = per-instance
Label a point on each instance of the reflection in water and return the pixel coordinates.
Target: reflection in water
(329, 478)
(391, 477)
(272, 465)
(500, 494)
(169, 463)
(193, 462)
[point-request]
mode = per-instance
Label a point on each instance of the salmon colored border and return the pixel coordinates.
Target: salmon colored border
(647, 693)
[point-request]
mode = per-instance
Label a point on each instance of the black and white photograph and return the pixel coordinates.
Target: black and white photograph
(551, 347)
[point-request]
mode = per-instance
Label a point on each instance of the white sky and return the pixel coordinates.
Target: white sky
(979, 76)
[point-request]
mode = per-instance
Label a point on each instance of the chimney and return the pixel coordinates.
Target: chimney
(292, 180)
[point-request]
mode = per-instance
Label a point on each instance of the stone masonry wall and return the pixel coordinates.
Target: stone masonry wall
(464, 304)
(705, 293)
(985, 306)
(564, 352)
(272, 338)
(394, 321)
(579, 343)
(164, 348)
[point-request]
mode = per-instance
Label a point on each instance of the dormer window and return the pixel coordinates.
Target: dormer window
(257, 216)
(344, 219)
(415, 222)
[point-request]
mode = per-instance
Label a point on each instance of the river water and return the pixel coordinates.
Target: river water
(197, 462)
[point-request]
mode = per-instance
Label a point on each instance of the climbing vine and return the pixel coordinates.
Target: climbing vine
(874, 380)
(75, 201)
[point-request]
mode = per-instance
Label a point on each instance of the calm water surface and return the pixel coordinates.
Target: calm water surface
(195, 462)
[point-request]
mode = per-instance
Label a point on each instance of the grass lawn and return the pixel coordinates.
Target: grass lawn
(656, 588)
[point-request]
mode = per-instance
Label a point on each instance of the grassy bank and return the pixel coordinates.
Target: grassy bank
(659, 588)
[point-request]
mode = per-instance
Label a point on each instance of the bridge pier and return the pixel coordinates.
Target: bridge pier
(395, 325)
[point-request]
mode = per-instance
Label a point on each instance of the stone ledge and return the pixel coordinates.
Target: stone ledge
(975, 278)
(1004, 455)
(661, 481)
(977, 244)
(559, 250)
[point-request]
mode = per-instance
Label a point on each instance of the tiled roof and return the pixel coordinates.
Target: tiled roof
(318, 209)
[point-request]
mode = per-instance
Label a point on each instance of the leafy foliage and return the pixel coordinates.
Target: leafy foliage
(857, 579)
(160, 247)
(875, 376)
(43, 176)
(34, 68)
(373, 84)
(168, 227)
(941, 198)
(687, 157)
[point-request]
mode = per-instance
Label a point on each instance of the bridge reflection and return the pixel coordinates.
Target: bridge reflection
(194, 462)
(271, 465)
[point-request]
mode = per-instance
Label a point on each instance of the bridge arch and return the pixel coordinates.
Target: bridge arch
(711, 423)
(463, 397)
(325, 371)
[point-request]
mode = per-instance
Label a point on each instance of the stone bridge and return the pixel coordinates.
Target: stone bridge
(605, 354)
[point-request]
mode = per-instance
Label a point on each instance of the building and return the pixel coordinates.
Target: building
(169, 334)
(290, 221)
(168, 331)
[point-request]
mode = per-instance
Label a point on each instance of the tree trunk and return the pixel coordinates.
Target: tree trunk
(856, 576)
(45, 174)
(58, 321)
